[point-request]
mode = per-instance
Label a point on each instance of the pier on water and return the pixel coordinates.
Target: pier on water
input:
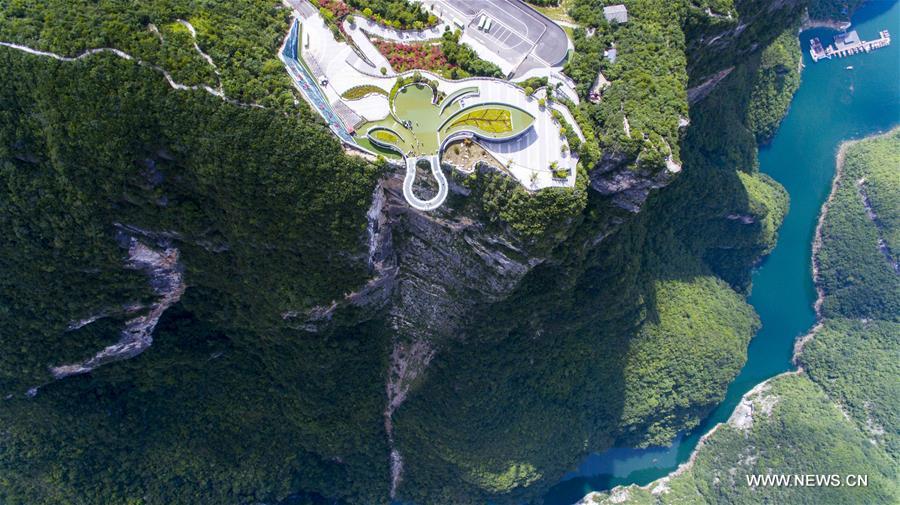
(846, 44)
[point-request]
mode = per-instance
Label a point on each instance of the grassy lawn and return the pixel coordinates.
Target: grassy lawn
(558, 13)
(489, 120)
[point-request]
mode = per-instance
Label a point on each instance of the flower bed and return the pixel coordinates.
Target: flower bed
(405, 57)
(335, 9)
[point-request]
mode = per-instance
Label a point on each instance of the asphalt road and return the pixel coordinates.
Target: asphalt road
(516, 29)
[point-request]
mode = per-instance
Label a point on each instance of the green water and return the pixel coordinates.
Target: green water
(833, 104)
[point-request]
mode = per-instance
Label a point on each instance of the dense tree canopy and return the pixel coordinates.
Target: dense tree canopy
(236, 401)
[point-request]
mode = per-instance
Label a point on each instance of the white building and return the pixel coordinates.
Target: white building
(617, 13)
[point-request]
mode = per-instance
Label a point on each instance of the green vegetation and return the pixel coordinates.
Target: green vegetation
(538, 215)
(683, 357)
(241, 37)
(842, 415)
(449, 59)
(649, 78)
(557, 11)
(400, 14)
(767, 205)
(466, 61)
(833, 10)
(777, 78)
(854, 357)
(386, 136)
(855, 362)
(796, 429)
(103, 141)
(333, 12)
(859, 279)
(534, 83)
(488, 119)
(584, 335)
(357, 92)
(270, 221)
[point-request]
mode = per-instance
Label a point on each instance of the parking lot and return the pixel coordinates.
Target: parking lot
(516, 31)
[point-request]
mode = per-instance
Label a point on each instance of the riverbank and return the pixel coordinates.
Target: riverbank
(831, 105)
(808, 23)
(800, 342)
(835, 185)
(817, 240)
(740, 415)
(854, 352)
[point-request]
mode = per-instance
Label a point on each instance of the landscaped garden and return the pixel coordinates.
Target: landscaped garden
(448, 57)
(419, 123)
(399, 14)
(403, 57)
(490, 120)
(493, 121)
(357, 92)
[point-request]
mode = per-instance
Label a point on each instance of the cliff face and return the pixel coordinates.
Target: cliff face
(717, 43)
(444, 264)
(372, 350)
(466, 291)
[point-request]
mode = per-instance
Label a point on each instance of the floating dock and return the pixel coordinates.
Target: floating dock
(846, 44)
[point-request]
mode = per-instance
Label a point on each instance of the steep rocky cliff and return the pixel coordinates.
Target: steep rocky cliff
(326, 340)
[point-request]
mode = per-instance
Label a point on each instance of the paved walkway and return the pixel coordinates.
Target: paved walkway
(308, 86)
(385, 32)
(416, 202)
(365, 45)
(528, 158)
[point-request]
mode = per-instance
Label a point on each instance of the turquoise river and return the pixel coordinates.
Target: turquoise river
(838, 99)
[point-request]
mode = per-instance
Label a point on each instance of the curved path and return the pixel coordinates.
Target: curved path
(122, 54)
(438, 174)
(384, 32)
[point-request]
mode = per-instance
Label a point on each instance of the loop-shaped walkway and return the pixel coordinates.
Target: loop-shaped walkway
(416, 202)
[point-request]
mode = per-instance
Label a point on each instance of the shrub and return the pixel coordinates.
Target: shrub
(357, 92)
(405, 57)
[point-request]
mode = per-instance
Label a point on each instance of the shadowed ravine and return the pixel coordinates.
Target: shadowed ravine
(834, 103)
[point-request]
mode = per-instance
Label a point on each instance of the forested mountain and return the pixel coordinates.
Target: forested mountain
(313, 338)
(839, 412)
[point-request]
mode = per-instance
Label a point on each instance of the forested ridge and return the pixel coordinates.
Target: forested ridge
(778, 77)
(274, 212)
(239, 36)
(840, 414)
(593, 338)
(649, 77)
(238, 402)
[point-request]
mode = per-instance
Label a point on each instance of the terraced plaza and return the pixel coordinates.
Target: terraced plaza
(411, 118)
(419, 125)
